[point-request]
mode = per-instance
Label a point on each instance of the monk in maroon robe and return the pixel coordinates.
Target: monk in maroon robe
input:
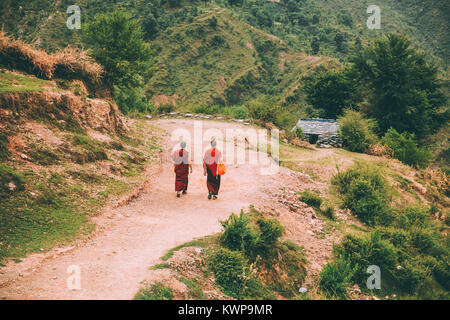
(181, 167)
(210, 161)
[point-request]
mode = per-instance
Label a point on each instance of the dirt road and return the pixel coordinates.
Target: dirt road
(114, 262)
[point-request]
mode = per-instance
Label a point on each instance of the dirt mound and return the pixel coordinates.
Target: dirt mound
(65, 110)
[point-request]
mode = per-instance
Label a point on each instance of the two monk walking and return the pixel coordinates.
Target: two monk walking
(183, 166)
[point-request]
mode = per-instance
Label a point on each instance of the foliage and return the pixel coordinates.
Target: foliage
(156, 291)
(405, 148)
(237, 234)
(365, 192)
(311, 198)
(129, 100)
(299, 133)
(332, 91)
(403, 86)
(356, 132)
(116, 40)
(7, 176)
(228, 268)
(262, 111)
(335, 278)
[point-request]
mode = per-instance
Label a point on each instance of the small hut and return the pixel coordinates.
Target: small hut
(324, 132)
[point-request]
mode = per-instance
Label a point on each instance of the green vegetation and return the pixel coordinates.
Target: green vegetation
(356, 131)
(311, 198)
(406, 242)
(10, 82)
(247, 260)
(251, 238)
(331, 92)
(405, 148)
(403, 88)
(228, 267)
(51, 206)
(335, 278)
(195, 290)
(156, 291)
(116, 43)
(365, 192)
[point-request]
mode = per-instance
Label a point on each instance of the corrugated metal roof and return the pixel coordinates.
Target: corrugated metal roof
(318, 126)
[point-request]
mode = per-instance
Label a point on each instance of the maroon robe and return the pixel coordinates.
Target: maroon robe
(181, 161)
(211, 160)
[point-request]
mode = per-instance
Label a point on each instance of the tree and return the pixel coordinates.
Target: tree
(315, 45)
(403, 88)
(356, 131)
(150, 27)
(116, 43)
(332, 91)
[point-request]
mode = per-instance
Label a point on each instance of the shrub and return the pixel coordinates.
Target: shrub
(367, 203)
(329, 213)
(299, 133)
(343, 180)
(155, 291)
(206, 109)
(364, 191)
(363, 252)
(335, 278)
(228, 268)
(164, 108)
(237, 233)
(355, 131)
(442, 273)
(263, 112)
(271, 230)
(310, 198)
(404, 147)
(129, 100)
(409, 276)
(239, 112)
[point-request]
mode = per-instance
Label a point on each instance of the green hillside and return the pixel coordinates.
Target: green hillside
(217, 53)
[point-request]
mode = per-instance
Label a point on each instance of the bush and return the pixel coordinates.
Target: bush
(237, 234)
(363, 252)
(164, 108)
(355, 131)
(271, 230)
(299, 133)
(206, 109)
(239, 112)
(129, 100)
(335, 278)
(367, 203)
(365, 192)
(310, 198)
(228, 268)
(329, 213)
(155, 291)
(263, 112)
(404, 147)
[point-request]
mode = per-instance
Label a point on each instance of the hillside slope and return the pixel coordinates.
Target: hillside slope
(259, 49)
